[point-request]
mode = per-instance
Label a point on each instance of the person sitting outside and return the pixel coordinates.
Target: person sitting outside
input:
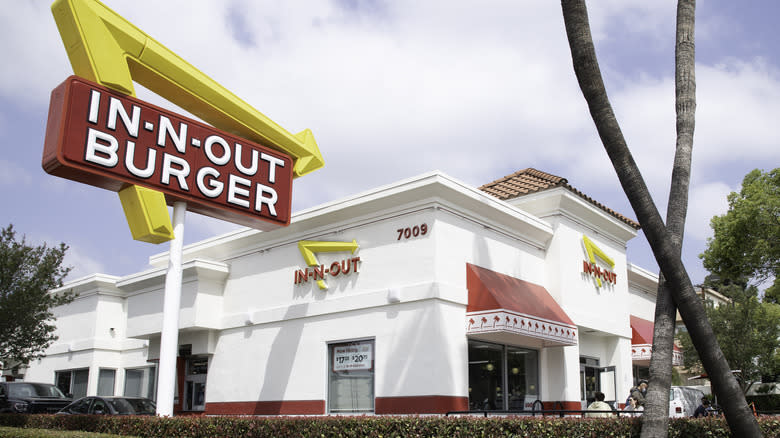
(635, 406)
(704, 408)
(599, 405)
(639, 392)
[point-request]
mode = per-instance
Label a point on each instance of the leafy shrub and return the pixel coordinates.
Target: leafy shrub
(10, 432)
(374, 426)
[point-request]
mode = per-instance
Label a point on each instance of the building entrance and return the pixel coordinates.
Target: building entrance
(594, 377)
(195, 383)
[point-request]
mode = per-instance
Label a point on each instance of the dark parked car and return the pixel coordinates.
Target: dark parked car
(31, 398)
(111, 406)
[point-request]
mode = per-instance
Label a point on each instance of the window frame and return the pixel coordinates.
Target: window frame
(113, 382)
(504, 367)
(332, 373)
(71, 381)
(148, 382)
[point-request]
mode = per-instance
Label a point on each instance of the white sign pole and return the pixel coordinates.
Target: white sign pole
(169, 338)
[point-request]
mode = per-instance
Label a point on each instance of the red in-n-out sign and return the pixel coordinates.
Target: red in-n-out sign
(598, 272)
(100, 137)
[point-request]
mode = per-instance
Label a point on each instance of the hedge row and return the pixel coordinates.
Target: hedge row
(374, 426)
(12, 432)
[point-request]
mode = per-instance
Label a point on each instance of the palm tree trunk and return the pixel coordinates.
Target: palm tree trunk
(655, 423)
(738, 415)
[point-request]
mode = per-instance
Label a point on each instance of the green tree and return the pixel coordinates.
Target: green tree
(27, 274)
(745, 246)
(748, 332)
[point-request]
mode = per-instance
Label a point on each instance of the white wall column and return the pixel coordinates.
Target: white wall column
(560, 373)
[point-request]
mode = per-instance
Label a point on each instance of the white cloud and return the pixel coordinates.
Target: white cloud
(34, 59)
(83, 263)
(78, 257)
(399, 88)
(705, 201)
(737, 114)
(651, 20)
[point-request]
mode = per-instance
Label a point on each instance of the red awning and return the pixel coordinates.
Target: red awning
(500, 303)
(641, 331)
(642, 341)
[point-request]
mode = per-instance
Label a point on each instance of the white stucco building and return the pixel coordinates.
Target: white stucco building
(423, 296)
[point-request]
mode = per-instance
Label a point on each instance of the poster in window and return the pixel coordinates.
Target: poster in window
(351, 357)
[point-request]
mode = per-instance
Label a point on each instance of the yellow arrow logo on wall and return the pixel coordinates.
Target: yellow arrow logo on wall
(105, 48)
(309, 248)
(593, 252)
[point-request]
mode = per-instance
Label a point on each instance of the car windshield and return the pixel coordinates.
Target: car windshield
(133, 406)
(34, 390)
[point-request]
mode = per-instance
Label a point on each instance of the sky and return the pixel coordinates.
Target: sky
(394, 89)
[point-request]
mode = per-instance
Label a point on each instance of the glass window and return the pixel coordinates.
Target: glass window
(486, 376)
(63, 381)
(99, 407)
(198, 365)
(132, 406)
(140, 382)
(195, 383)
(80, 380)
(502, 377)
(134, 383)
(641, 373)
(46, 390)
(522, 375)
(351, 376)
(81, 406)
(73, 382)
(106, 378)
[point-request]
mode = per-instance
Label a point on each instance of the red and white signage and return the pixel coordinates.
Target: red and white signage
(100, 137)
(599, 272)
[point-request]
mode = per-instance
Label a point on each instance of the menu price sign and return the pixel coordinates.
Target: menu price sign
(353, 357)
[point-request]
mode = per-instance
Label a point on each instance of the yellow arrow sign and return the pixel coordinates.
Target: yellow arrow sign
(593, 252)
(310, 247)
(107, 49)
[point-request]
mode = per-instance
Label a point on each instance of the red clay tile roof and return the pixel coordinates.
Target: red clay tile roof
(531, 180)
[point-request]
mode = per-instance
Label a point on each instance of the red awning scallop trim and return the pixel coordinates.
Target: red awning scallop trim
(500, 303)
(642, 341)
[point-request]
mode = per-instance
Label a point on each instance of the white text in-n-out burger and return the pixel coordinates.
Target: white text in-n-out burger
(108, 139)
